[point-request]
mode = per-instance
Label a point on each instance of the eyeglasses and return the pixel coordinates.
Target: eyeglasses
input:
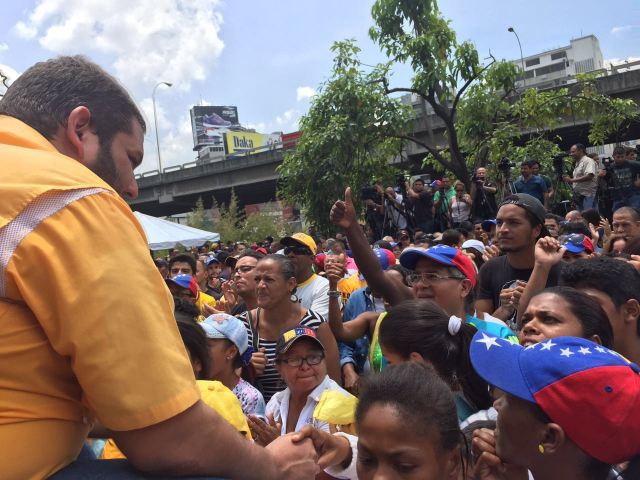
(313, 359)
(243, 269)
(428, 278)
(297, 251)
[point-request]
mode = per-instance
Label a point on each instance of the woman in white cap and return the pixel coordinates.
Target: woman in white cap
(229, 351)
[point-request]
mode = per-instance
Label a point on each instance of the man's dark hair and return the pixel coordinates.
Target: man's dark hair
(183, 257)
(533, 162)
(619, 150)
(580, 146)
(251, 253)
(575, 227)
(418, 180)
(591, 216)
(450, 237)
(615, 278)
(528, 163)
(553, 216)
(45, 94)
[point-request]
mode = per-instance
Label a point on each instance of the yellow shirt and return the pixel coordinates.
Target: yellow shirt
(223, 401)
(205, 298)
(348, 285)
(86, 324)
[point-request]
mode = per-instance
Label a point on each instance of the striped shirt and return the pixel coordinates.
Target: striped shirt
(270, 380)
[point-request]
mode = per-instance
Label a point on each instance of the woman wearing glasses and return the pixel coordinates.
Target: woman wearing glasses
(278, 309)
(311, 397)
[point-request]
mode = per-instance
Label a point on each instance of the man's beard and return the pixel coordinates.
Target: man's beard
(105, 167)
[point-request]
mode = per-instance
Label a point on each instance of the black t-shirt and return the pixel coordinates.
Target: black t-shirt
(484, 206)
(625, 176)
(497, 274)
(422, 207)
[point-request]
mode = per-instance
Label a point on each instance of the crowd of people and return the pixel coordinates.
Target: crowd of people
(452, 335)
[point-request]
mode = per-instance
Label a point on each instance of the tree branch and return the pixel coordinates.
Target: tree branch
(432, 150)
(467, 84)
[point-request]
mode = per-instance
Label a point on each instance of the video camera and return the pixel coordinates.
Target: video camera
(505, 165)
(369, 192)
(607, 163)
(558, 164)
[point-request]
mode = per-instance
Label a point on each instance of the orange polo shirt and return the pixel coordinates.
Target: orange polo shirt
(86, 323)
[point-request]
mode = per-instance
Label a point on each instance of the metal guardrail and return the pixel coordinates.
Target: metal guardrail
(280, 147)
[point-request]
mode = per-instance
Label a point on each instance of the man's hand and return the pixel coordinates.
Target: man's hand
(335, 273)
(294, 461)
(259, 361)
(331, 449)
(510, 297)
(207, 310)
(548, 252)
(488, 465)
(264, 433)
(491, 251)
(350, 378)
(343, 214)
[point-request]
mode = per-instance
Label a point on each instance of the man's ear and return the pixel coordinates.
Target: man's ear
(76, 132)
(554, 438)
(631, 312)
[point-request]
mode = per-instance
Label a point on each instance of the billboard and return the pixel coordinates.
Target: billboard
(209, 123)
(237, 143)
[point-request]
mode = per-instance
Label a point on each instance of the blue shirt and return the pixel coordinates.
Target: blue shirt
(356, 352)
(536, 187)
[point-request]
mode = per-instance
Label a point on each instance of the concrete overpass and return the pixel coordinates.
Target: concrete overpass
(254, 177)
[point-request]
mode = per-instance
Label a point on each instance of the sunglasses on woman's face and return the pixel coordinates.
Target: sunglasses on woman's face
(297, 251)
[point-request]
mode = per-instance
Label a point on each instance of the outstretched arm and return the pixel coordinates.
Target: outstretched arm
(343, 214)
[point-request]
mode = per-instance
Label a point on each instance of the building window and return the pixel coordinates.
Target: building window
(532, 62)
(554, 67)
(558, 55)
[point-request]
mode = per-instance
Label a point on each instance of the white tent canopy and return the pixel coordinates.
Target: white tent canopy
(162, 234)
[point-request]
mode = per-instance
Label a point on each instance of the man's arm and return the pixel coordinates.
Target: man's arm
(343, 214)
(200, 442)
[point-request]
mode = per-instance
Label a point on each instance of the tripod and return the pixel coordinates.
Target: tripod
(508, 187)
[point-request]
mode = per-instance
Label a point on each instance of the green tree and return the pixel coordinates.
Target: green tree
(198, 217)
(229, 220)
(351, 131)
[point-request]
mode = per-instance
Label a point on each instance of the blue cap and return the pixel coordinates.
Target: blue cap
(224, 326)
(487, 224)
(443, 254)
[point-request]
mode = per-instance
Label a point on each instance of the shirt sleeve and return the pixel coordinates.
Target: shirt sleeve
(484, 280)
(320, 303)
(86, 274)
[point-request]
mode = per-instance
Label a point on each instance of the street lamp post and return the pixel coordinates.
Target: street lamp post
(155, 120)
(524, 77)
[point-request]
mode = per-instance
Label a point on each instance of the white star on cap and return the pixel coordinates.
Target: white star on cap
(601, 350)
(488, 341)
(566, 352)
(547, 345)
(584, 350)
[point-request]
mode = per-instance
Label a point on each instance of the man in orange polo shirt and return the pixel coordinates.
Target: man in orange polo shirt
(85, 345)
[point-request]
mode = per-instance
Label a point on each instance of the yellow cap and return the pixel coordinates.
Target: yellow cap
(301, 239)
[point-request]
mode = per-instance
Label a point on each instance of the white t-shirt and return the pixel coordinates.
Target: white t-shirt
(278, 406)
(584, 167)
(397, 216)
(313, 295)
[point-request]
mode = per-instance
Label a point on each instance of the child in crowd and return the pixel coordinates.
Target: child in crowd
(407, 429)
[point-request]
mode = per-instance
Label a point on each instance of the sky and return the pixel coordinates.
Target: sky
(269, 57)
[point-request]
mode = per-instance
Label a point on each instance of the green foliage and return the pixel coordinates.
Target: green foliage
(198, 217)
(349, 136)
(232, 224)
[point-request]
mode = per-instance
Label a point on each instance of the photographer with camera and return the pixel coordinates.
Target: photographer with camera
(394, 212)
(585, 179)
(531, 184)
(460, 206)
(622, 178)
(373, 198)
(420, 201)
(483, 193)
(441, 201)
